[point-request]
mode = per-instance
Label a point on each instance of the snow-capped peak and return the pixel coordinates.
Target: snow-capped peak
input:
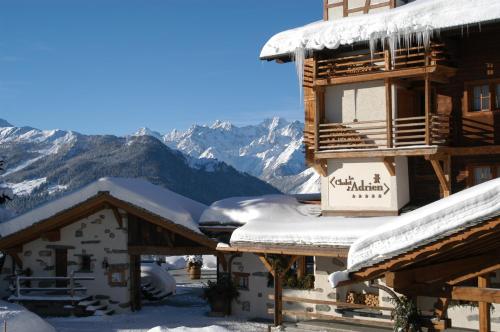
(218, 124)
(145, 131)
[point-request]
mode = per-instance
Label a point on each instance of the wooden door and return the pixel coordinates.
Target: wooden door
(61, 266)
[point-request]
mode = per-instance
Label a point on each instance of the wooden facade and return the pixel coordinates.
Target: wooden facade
(447, 108)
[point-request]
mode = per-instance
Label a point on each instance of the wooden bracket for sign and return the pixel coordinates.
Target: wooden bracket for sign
(390, 165)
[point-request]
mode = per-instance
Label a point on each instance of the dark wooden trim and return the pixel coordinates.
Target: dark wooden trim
(169, 251)
(287, 250)
(484, 307)
(355, 213)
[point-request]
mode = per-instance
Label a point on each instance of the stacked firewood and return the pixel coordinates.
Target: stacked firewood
(370, 300)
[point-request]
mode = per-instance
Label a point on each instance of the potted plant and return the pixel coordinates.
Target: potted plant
(220, 294)
(194, 264)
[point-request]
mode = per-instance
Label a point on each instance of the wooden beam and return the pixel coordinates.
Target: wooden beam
(222, 261)
(266, 263)
(474, 275)
(118, 216)
(489, 295)
(288, 250)
(428, 110)
(374, 153)
(278, 300)
(473, 151)
(325, 10)
(442, 177)
(168, 251)
(389, 163)
(401, 73)
(484, 307)
(441, 307)
(16, 258)
(440, 272)
(388, 110)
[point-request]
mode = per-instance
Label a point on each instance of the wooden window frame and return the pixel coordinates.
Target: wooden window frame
(123, 283)
(239, 276)
(469, 97)
(470, 171)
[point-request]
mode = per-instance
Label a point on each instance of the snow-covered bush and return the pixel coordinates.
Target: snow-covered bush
(158, 277)
(194, 260)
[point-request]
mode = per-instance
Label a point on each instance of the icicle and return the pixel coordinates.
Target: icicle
(299, 56)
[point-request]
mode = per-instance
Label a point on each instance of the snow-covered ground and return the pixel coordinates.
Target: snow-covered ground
(157, 319)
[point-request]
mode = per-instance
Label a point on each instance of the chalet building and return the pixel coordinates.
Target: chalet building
(402, 123)
(397, 118)
(81, 253)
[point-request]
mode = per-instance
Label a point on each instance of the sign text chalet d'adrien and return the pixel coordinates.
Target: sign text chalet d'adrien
(362, 188)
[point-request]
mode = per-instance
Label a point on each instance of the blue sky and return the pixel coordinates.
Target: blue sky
(112, 66)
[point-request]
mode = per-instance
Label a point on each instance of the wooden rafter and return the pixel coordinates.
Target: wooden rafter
(118, 216)
(441, 272)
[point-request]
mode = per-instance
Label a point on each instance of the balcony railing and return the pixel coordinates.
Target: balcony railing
(375, 134)
(368, 63)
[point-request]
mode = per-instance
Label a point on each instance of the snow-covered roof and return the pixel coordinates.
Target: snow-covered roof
(282, 220)
(418, 19)
(155, 199)
(425, 225)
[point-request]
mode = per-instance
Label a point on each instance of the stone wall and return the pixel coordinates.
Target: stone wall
(98, 237)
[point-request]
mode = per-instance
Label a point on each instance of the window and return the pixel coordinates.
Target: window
(85, 263)
(484, 96)
(481, 97)
(241, 280)
(482, 173)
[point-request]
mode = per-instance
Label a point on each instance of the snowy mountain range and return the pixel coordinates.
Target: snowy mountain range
(271, 150)
(43, 164)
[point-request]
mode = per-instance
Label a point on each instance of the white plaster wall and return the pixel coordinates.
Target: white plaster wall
(336, 197)
(362, 101)
(98, 235)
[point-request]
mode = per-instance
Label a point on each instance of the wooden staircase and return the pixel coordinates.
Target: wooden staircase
(92, 307)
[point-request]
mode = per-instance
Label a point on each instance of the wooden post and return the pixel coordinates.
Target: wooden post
(318, 99)
(427, 110)
(484, 307)
(278, 299)
(301, 270)
(388, 107)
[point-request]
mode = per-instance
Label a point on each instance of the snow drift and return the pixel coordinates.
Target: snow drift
(19, 319)
(158, 277)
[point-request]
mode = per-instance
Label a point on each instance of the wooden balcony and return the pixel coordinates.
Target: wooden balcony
(366, 66)
(411, 132)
